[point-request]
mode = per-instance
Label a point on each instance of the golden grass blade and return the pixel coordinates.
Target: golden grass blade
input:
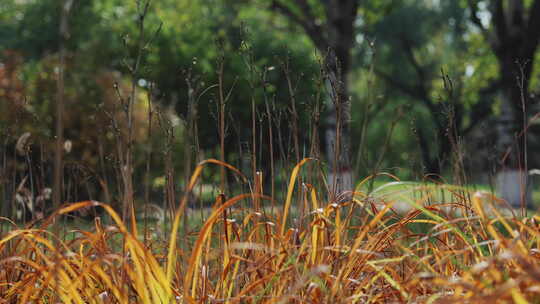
(441, 221)
(232, 281)
(160, 287)
(8, 220)
(133, 220)
(339, 226)
(108, 282)
(290, 190)
(171, 258)
(77, 205)
(517, 296)
(477, 204)
(369, 178)
(203, 234)
(381, 272)
(261, 281)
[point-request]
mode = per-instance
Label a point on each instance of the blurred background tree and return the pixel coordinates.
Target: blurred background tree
(427, 81)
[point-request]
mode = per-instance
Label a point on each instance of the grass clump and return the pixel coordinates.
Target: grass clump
(347, 252)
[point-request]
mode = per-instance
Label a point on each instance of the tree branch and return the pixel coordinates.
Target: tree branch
(474, 15)
(476, 21)
(410, 56)
(482, 109)
(314, 31)
(415, 92)
(304, 6)
(533, 30)
(499, 22)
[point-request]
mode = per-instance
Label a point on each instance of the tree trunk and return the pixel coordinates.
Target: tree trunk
(513, 37)
(512, 177)
(337, 139)
(334, 39)
(341, 16)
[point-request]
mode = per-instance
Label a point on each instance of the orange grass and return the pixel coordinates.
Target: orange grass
(349, 252)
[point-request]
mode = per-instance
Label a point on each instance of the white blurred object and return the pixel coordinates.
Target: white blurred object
(514, 186)
(68, 145)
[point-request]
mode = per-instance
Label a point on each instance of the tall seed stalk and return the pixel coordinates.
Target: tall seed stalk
(221, 119)
(269, 117)
(126, 161)
(127, 165)
(149, 154)
(524, 182)
(58, 155)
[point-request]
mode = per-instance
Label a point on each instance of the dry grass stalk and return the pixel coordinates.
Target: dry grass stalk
(342, 255)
